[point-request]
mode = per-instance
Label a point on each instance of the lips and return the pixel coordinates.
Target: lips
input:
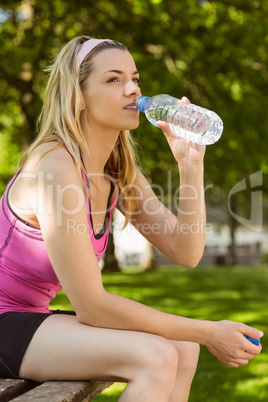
(131, 106)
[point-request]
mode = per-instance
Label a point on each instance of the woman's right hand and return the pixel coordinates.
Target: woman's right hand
(182, 149)
(228, 344)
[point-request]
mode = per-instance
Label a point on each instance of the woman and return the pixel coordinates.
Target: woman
(54, 223)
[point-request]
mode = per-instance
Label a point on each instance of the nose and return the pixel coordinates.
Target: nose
(132, 89)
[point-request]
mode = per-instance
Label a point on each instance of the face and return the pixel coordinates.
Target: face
(111, 91)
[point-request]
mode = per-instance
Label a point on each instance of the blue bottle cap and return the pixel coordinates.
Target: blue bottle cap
(142, 103)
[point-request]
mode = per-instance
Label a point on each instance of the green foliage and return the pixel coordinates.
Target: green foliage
(10, 151)
(213, 52)
(238, 294)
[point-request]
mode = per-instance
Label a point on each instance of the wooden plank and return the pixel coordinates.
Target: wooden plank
(11, 388)
(64, 391)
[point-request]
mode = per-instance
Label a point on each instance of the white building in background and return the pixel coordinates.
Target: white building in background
(130, 244)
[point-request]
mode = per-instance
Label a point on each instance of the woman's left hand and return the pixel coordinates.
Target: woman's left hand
(181, 148)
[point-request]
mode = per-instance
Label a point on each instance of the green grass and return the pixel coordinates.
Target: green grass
(239, 294)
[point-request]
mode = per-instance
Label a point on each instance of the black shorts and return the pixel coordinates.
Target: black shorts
(16, 332)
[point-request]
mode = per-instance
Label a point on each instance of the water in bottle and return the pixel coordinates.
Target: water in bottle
(187, 120)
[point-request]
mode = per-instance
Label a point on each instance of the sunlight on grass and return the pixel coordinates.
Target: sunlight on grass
(246, 316)
(219, 294)
(116, 387)
(112, 393)
(238, 294)
(252, 388)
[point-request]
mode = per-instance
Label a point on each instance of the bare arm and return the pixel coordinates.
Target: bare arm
(75, 264)
(180, 237)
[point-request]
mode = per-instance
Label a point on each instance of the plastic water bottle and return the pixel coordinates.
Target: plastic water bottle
(186, 120)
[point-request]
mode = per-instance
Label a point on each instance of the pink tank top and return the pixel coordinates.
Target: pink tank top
(27, 279)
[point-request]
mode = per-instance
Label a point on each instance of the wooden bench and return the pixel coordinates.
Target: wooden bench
(50, 391)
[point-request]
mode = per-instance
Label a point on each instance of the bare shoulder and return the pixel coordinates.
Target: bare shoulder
(54, 160)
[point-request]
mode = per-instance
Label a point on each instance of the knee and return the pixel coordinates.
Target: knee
(163, 359)
(188, 358)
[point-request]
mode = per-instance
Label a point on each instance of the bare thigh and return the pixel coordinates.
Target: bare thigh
(65, 349)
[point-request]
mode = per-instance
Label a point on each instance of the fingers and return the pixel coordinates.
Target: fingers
(164, 126)
(242, 361)
(246, 356)
(253, 333)
(230, 345)
(166, 129)
(183, 100)
(250, 331)
(248, 350)
(237, 364)
(234, 365)
(251, 348)
(243, 357)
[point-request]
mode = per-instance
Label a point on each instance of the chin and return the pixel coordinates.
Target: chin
(132, 126)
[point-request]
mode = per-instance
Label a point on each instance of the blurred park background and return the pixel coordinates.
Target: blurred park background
(215, 53)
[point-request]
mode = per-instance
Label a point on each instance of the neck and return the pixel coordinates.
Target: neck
(100, 145)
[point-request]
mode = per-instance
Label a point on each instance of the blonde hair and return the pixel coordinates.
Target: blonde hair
(60, 118)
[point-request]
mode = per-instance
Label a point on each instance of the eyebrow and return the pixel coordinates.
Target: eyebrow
(119, 72)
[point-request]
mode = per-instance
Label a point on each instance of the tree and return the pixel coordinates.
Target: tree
(213, 52)
(111, 264)
(219, 61)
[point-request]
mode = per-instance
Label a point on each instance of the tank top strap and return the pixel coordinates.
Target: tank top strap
(13, 179)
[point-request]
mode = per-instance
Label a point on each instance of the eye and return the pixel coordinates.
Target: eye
(113, 79)
(137, 80)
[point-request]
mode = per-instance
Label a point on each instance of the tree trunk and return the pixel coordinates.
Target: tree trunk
(110, 261)
(232, 257)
